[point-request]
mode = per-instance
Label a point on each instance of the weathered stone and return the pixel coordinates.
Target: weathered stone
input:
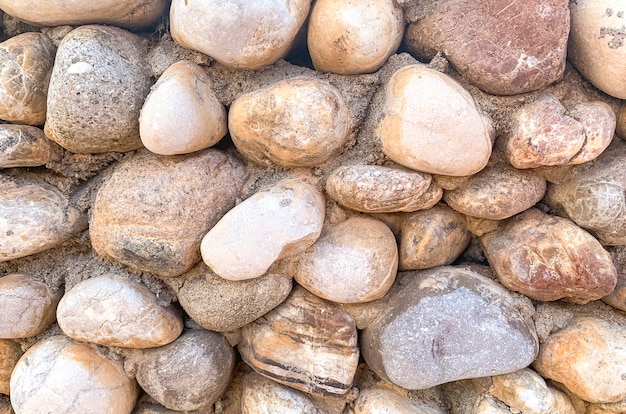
(487, 404)
(497, 192)
(34, 217)
(587, 357)
(503, 48)
(620, 128)
(275, 223)
(26, 62)
(58, 375)
(113, 310)
(354, 37)
(130, 14)
(238, 33)
(224, 305)
(297, 122)
(597, 44)
(28, 306)
(306, 343)
(26, 146)
(10, 353)
(548, 258)
(354, 261)
(261, 395)
(153, 211)
(181, 114)
(416, 130)
(447, 324)
(188, 374)
(617, 298)
(610, 408)
(382, 398)
(98, 85)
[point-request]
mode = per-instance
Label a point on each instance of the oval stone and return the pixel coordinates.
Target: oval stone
(416, 130)
(26, 146)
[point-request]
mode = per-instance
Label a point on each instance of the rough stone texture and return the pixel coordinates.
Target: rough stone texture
(190, 373)
(98, 85)
(377, 189)
(224, 305)
(353, 261)
(543, 133)
(28, 306)
(416, 131)
(353, 37)
(10, 353)
(497, 192)
(34, 217)
(431, 238)
(181, 114)
(115, 311)
(238, 33)
(274, 223)
(617, 298)
(611, 408)
(265, 396)
(597, 43)
(26, 146)
(130, 14)
(383, 398)
(26, 62)
(153, 211)
(297, 122)
(587, 357)
(306, 343)
(58, 375)
(448, 324)
(502, 47)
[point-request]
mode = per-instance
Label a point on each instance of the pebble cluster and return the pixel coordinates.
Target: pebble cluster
(327, 207)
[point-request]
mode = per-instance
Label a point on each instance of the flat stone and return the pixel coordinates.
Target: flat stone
(503, 48)
(26, 146)
(262, 395)
(26, 62)
(448, 324)
(61, 376)
(181, 114)
(29, 306)
(10, 353)
(113, 310)
(153, 211)
(274, 223)
(416, 130)
(238, 33)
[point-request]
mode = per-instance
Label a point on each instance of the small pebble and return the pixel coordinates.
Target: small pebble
(26, 146)
(10, 353)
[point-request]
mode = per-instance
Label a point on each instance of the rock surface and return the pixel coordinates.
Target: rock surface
(26, 146)
(10, 353)
(261, 395)
(382, 398)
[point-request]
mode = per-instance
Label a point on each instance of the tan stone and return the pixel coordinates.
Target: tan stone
(487, 404)
(274, 223)
(416, 130)
(181, 114)
(382, 398)
(10, 353)
(297, 122)
(26, 62)
(353, 37)
(26, 146)
(261, 395)
(620, 128)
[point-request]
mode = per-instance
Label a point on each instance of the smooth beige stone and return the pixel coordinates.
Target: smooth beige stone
(130, 14)
(382, 398)
(113, 310)
(588, 357)
(352, 37)
(181, 114)
(261, 395)
(275, 223)
(26, 62)
(596, 43)
(58, 375)
(354, 261)
(26, 146)
(431, 124)
(10, 353)
(297, 122)
(238, 33)
(28, 306)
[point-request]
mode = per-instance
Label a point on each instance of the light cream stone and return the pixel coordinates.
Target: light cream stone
(238, 33)
(113, 310)
(416, 129)
(28, 306)
(26, 146)
(298, 122)
(352, 37)
(130, 14)
(181, 114)
(58, 375)
(382, 398)
(10, 353)
(597, 43)
(273, 224)
(261, 395)
(26, 62)
(354, 261)
(487, 404)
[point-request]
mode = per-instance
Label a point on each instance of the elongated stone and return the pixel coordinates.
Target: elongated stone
(26, 146)
(10, 353)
